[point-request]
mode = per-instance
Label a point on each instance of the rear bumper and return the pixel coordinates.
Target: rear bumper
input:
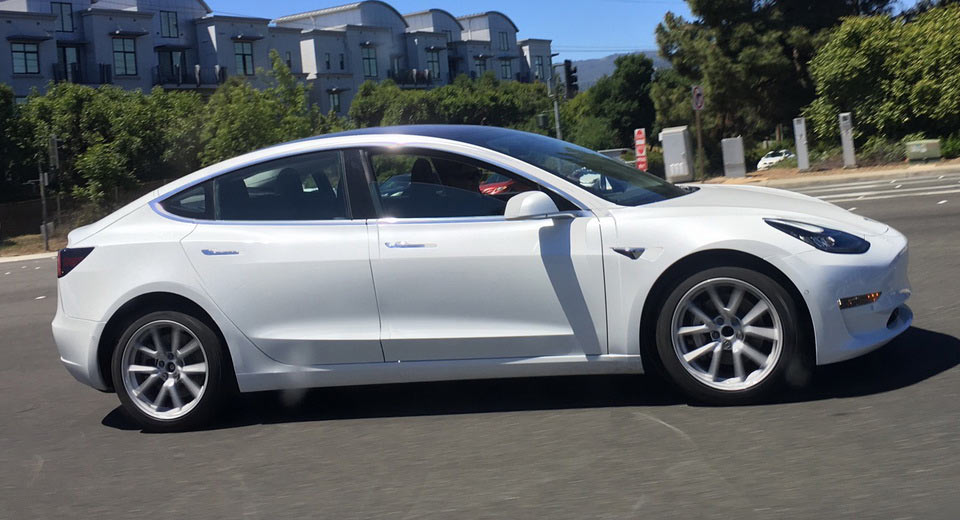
(77, 342)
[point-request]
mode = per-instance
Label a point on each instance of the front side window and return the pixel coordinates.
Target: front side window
(335, 102)
(244, 54)
(64, 13)
(506, 69)
(414, 185)
(607, 178)
(369, 55)
(124, 57)
(26, 58)
(168, 24)
(433, 63)
(538, 66)
(504, 41)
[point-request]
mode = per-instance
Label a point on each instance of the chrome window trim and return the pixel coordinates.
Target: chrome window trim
(582, 213)
(159, 210)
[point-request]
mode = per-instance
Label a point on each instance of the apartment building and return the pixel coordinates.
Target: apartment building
(183, 44)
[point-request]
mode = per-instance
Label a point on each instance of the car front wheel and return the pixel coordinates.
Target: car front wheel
(167, 371)
(728, 335)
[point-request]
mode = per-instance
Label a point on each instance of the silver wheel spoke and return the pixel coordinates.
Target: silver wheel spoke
(191, 386)
(160, 395)
(735, 298)
(738, 366)
(753, 354)
(757, 311)
(197, 368)
(715, 362)
(694, 329)
(174, 339)
(762, 332)
(715, 299)
(147, 383)
(188, 349)
(155, 334)
(146, 351)
(141, 369)
(700, 315)
(175, 396)
(696, 353)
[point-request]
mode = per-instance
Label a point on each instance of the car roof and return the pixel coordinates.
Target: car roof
(463, 133)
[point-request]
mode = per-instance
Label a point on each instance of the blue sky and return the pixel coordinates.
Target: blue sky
(579, 30)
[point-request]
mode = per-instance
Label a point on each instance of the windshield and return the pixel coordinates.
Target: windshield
(607, 178)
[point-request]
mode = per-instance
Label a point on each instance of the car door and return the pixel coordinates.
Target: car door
(284, 261)
(455, 280)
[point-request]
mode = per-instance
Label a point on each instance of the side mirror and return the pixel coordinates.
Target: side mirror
(530, 204)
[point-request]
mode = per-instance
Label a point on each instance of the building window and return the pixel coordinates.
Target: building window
(341, 61)
(26, 58)
(68, 59)
(538, 67)
(244, 53)
(326, 58)
(504, 42)
(124, 57)
(64, 12)
(506, 69)
(481, 66)
(335, 102)
(433, 63)
(449, 34)
(369, 55)
(168, 25)
(20, 100)
(289, 60)
(396, 64)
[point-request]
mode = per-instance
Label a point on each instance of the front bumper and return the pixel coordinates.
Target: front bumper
(77, 342)
(825, 278)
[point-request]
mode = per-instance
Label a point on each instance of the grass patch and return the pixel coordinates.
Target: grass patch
(30, 244)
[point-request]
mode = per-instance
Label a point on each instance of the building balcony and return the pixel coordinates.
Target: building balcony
(189, 77)
(74, 73)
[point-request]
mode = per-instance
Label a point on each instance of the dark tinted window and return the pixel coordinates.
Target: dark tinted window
(191, 203)
(305, 187)
(412, 185)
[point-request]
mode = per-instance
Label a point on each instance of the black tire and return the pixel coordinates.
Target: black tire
(790, 360)
(217, 387)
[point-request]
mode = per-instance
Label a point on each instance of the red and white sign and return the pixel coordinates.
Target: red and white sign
(640, 147)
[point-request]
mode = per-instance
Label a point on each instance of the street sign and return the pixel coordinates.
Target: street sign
(640, 147)
(697, 98)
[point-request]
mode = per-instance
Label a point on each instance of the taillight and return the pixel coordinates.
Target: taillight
(67, 259)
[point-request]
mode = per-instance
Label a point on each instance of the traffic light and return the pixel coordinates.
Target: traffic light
(570, 87)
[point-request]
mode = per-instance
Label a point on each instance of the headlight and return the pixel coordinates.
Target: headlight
(824, 239)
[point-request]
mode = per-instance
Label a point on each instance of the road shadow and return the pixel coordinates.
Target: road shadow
(916, 355)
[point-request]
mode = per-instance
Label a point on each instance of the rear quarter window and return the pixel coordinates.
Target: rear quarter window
(195, 203)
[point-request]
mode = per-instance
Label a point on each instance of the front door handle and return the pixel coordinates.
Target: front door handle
(407, 245)
(215, 252)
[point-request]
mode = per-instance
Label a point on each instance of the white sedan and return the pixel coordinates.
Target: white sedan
(773, 157)
(374, 256)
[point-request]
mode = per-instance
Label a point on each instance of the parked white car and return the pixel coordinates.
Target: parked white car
(773, 157)
(303, 265)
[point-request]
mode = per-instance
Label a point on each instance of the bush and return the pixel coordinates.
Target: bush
(950, 146)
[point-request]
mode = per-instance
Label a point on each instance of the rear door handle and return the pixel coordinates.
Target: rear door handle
(214, 252)
(407, 245)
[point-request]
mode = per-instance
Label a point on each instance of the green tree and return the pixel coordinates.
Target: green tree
(622, 100)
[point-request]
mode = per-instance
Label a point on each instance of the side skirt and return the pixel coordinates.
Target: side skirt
(281, 377)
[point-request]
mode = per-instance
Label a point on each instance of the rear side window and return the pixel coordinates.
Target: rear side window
(304, 187)
(192, 203)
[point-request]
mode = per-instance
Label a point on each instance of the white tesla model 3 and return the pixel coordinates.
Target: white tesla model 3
(455, 252)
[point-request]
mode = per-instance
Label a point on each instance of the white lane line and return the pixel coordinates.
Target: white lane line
(35, 268)
(897, 187)
(897, 196)
(39, 297)
(851, 209)
(833, 196)
(942, 202)
(871, 184)
(6, 273)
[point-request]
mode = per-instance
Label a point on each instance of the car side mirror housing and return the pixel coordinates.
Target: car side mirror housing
(530, 205)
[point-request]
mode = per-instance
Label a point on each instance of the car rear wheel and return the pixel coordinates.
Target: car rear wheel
(167, 370)
(728, 335)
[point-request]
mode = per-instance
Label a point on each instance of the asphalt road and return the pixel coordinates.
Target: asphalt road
(876, 437)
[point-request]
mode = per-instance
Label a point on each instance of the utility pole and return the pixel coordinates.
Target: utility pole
(698, 101)
(554, 90)
(43, 207)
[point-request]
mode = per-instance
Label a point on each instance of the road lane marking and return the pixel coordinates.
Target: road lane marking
(853, 208)
(942, 202)
(924, 189)
(870, 184)
(39, 297)
(897, 196)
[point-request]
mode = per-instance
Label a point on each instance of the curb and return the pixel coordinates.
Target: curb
(25, 258)
(848, 177)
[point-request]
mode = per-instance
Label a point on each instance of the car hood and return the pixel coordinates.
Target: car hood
(711, 199)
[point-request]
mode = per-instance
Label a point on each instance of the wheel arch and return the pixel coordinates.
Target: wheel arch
(706, 259)
(140, 305)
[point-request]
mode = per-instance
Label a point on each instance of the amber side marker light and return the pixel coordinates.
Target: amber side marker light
(856, 301)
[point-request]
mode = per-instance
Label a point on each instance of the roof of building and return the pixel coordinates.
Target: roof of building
(488, 13)
(338, 9)
(441, 11)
